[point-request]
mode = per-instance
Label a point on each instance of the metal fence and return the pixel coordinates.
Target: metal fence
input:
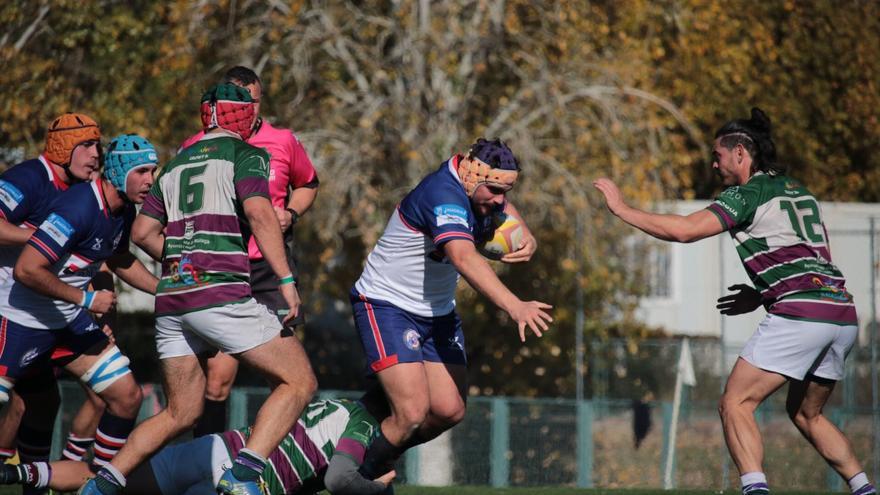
(537, 442)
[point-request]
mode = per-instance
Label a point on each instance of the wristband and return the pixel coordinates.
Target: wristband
(88, 299)
(294, 216)
(287, 280)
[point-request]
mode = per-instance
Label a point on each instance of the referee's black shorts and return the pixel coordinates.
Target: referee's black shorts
(264, 287)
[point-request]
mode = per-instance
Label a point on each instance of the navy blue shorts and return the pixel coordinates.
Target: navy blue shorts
(391, 335)
(25, 350)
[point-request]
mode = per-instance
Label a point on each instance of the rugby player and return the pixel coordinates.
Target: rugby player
(811, 321)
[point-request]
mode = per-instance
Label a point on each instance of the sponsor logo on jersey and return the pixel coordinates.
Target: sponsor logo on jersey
(97, 244)
(58, 228)
(734, 194)
(117, 239)
(451, 214)
(727, 207)
(10, 195)
(411, 339)
(455, 343)
(29, 356)
(258, 165)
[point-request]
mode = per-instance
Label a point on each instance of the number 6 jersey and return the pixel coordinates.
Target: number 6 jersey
(198, 197)
(777, 228)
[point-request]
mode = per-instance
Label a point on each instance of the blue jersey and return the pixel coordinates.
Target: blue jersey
(77, 235)
(407, 267)
(26, 191)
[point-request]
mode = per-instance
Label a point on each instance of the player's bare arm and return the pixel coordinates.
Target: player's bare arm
(267, 231)
(527, 246)
(476, 270)
(34, 271)
(133, 272)
(667, 227)
(148, 234)
(13, 235)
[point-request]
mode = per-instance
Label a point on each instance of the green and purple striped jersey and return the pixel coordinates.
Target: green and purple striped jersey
(776, 225)
(198, 197)
(325, 428)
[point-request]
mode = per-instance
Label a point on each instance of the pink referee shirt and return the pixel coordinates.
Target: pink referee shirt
(288, 165)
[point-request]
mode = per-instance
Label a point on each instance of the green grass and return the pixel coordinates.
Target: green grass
(484, 490)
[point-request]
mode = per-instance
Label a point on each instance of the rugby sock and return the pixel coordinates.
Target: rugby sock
(213, 418)
(76, 447)
(754, 484)
(111, 436)
(109, 480)
(33, 444)
(860, 485)
(248, 465)
(35, 474)
(380, 456)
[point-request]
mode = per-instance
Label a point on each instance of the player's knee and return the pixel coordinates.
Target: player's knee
(185, 415)
(408, 417)
(802, 419)
(126, 399)
(450, 414)
(218, 390)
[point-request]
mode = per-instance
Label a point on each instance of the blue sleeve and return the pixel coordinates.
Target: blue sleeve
(64, 228)
(440, 214)
(130, 214)
(18, 191)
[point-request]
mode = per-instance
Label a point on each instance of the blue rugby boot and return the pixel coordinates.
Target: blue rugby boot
(230, 485)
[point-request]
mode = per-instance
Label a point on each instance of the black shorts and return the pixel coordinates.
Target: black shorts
(264, 288)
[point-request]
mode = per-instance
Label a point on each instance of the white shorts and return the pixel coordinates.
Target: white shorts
(795, 348)
(191, 468)
(232, 328)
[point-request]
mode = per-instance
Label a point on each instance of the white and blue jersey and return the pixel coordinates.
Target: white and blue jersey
(77, 235)
(26, 193)
(404, 302)
(407, 267)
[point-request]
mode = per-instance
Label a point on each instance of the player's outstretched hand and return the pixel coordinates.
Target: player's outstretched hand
(531, 314)
(745, 301)
(527, 247)
(291, 297)
(104, 300)
(613, 198)
(387, 478)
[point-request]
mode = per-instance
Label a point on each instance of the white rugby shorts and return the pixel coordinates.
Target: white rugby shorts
(231, 328)
(795, 348)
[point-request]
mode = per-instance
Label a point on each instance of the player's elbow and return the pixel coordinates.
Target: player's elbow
(24, 273)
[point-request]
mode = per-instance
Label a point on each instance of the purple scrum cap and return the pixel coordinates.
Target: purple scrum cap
(494, 153)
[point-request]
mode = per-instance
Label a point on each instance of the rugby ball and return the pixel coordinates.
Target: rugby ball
(508, 235)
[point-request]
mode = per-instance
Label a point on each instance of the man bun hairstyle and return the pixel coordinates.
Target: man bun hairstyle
(754, 135)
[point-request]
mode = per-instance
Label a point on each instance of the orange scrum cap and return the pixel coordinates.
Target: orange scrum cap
(66, 133)
(488, 162)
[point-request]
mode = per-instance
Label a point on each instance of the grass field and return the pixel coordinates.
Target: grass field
(483, 490)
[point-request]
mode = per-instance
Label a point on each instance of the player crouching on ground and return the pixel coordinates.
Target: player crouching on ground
(323, 450)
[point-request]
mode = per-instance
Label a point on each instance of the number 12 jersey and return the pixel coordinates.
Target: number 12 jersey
(777, 227)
